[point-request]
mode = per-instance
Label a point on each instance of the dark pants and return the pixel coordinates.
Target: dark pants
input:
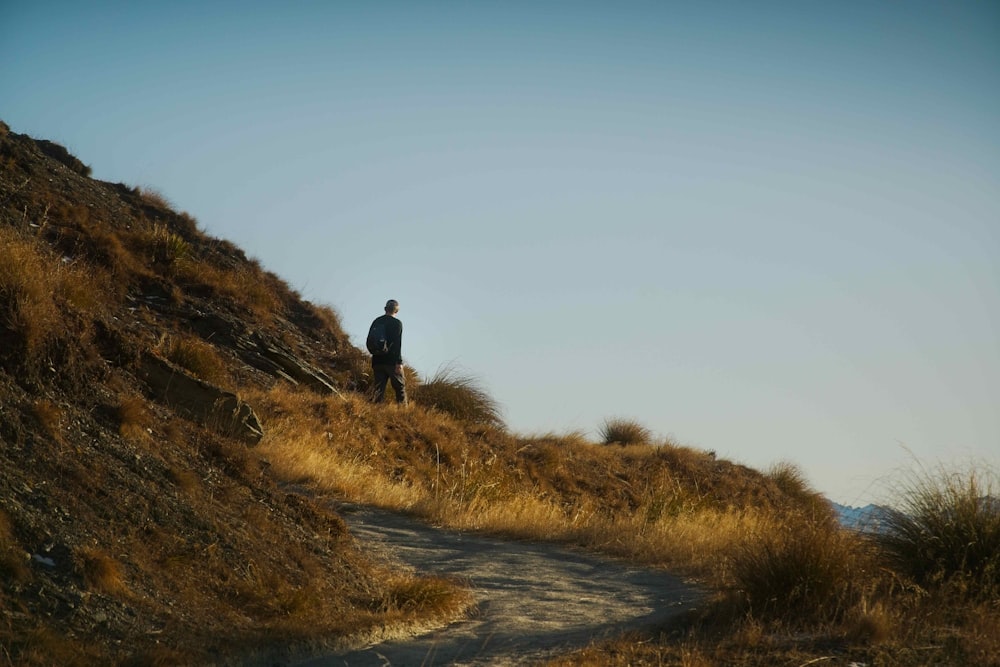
(384, 374)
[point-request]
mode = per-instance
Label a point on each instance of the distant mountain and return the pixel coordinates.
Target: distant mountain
(869, 518)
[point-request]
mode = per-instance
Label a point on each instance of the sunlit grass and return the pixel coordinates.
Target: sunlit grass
(620, 431)
(460, 396)
(945, 531)
(369, 454)
(780, 569)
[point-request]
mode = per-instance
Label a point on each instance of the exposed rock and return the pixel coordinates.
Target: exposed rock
(293, 367)
(210, 405)
(262, 352)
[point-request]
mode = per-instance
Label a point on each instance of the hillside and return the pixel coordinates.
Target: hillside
(165, 403)
(136, 522)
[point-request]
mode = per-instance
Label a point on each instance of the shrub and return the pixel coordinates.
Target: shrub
(619, 431)
(167, 247)
(153, 197)
(199, 357)
(460, 396)
(28, 280)
(133, 418)
(430, 595)
(946, 530)
(801, 570)
(791, 481)
(101, 572)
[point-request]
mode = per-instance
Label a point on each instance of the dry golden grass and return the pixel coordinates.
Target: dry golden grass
(946, 532)
(101, 572)
(786, 569)
(427, 597)
(49, 417)
(165, 246)
(29, 279)
(43, 300)
(244, 285)
(620, 431)
(422, 461)
(460, 396)
(185, 479)
(154, 197)
(802, 570)
(198, 357)
(133, 418)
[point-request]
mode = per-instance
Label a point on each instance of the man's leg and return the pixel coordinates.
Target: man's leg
(398, 385)
(381, 375)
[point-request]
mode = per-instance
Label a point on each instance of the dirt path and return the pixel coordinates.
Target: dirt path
(533, 600)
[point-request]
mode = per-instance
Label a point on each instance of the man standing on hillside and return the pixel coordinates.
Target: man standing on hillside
(385, 342)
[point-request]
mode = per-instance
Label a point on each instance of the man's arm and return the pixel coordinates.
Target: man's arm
(398, 343)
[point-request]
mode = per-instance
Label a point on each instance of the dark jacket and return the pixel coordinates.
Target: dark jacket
(394, 336)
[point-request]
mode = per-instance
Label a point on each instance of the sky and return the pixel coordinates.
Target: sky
(771, 230)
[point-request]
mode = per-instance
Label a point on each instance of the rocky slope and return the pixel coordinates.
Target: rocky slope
(137, 524)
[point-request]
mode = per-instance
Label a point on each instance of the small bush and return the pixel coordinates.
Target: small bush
(154, 198)
(619, 431)
(430, 595)
(101, 572)
(167, 247)
(28, 281)
(801, 571)
(48, 415)
(459, 396)
(101, 245)
(133, 418)
(199, 357)
(946, 530)
(791, 481)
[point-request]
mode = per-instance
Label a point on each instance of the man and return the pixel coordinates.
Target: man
(385, 343)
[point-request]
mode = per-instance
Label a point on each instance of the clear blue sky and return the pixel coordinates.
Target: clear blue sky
(767, 229)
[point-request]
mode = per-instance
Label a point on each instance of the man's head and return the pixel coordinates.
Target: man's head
(391, 307)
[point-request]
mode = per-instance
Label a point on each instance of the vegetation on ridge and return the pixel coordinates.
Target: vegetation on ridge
(134, 533)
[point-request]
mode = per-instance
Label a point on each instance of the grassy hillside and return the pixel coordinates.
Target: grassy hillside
(139, 525)
(174, 420)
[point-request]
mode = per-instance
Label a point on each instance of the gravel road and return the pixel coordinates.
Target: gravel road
(532, 600)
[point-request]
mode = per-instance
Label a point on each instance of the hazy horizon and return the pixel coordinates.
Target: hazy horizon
(771, 230)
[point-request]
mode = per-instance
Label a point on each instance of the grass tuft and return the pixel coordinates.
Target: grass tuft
(101, 572)
(167, 247)
(800, 571)
(619, 431)
(49, 416)
(946, 531)
(28, 280)
(460, 396)
(199, 357)
(431, 596)
(133, 418)
(154, 198)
